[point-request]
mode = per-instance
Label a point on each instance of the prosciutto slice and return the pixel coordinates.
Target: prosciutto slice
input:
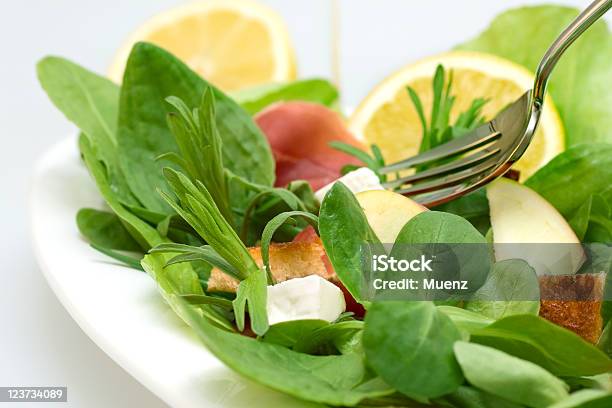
(299, 134)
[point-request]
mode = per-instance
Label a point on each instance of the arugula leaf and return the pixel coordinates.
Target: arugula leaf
(199, 142)
(511, 288)
(410, 345)
(315, 90)
(334, 380)
(584, 104)
(104, 229)
(344, 229)
(151, 75)
(508, 377)
(273, 225)
(91, 102)
(535, 339)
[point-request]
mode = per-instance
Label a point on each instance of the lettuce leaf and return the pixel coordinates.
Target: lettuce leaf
(578, 84)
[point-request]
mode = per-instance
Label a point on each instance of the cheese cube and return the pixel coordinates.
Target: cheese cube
(311, 297)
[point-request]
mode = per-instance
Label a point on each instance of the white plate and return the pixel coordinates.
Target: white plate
(119, 308)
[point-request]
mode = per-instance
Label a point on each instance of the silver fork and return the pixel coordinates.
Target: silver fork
(490, 150)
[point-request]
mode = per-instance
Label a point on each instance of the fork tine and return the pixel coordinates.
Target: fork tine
(451, 180)
(476, 138)
(462, 163)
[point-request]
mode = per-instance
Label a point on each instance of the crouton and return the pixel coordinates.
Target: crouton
(574, 302)
(287, 261)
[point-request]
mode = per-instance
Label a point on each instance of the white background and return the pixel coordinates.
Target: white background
(39, 343)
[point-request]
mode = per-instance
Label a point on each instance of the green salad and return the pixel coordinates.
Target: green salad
(188, 176)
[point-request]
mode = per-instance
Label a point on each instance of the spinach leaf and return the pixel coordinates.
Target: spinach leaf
(287, 334)
(599, 228)
(469, 397)
(410, 345)
(255, 99)
(605, 340)
(586, 399)
(474, 207)
(344, 229)
(508, 377)
(333, 380)
(105, 230)
(465, 319)
(579, 221)
(153, 74)
(325, 340)
(584, 105)
(430, 228)
(556, 349)
(569, 179)
(182, 277)
(91, 102)
(591, 221)
(511, 288)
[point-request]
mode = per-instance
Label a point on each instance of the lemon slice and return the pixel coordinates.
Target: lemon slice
(232, 43)
(387, 117)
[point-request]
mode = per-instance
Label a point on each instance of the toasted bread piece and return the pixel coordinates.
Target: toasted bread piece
(287, 261)
(574, 302)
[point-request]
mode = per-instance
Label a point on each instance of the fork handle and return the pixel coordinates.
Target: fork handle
(580, 24)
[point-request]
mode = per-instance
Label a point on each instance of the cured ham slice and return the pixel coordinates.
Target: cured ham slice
(299, 134)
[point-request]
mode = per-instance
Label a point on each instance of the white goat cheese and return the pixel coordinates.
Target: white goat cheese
(311, 297)
(362, 179)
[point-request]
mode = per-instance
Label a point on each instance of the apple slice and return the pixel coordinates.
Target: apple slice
(521, 219)
(387, 212)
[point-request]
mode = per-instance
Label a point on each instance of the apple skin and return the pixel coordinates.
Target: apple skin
(387, 212)
(519, 215)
